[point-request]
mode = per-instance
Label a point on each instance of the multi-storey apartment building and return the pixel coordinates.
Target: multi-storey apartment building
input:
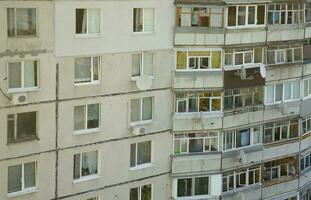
(155, 99)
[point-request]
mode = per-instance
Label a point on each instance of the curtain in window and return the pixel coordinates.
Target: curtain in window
(185, 17)
(15, 75)
(148, 19)
(82, 70)
(30, 174)
(138, 20)
(143, 152)
(11, 22)
(136, 64)
(30, 73)
(94, 20)
(81, 21)
(26, 21)
(148, 64)
(243, 138)
(79, 117)
(93, 116)
(147, 108)
(14, 178)
(89, 163)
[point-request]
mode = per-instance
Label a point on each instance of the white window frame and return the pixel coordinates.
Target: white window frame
(142, 65)
(144, 165)
(86, 130)
(87, 177)
(141, 122)
(307, 86)
(275, 125)
(187, 139)
(143, 29)
(92, 82)
(307, 122)
(23, 189)
(193, 187)
(140, 193)
(247, 65)
(284, 50)
(23, 88)
(287, 10)
(304, 158)
(87, 34)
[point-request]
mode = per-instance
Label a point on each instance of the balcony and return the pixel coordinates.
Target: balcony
(288, 148)
(285, 32)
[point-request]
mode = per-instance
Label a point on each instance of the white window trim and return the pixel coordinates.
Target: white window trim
(144, 165)
(284, 50)
(308, 88)
(23, 88)
(141, 122)
(86, 130)
(308, 129)
(142, 66)
(23, 189)
(87, 34)
(139, 190)
(288, 125)
(246, 65)
(92, 82)
(88, 177)
(286, 13)
(304, 161)
(143, 30)
(278, 167)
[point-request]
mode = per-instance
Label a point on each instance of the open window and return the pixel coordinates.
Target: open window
(88, 21)
(143, 20)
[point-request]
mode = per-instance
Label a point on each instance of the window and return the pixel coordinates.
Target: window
(305, 162)
(196, 142)
(243, 57)
(306, 125)
(307, 87)
(277, 169)
(141, 109)
(198, 102)
(143, 20)
(22, 22)
(286, 13)
(23, 75)
(86, 117)
(246, 15)
(22, 177)
(140, 153)
(241, 179)
(279, 131)
(142, 64)
(141, 193)
(287, 91)
(85, 164)
(21, 127)
(236, 139)
(88, 21)
(192, 186)
(198, 60)
(87, 70)
(284, 55)
(199, 17)
(243, 98)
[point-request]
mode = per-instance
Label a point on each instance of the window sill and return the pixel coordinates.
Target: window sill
(144, 33)
(21, 90)
(135, 78)
(198, 197)
(83, 132)
(24, 140)
(133, 124)
(306, 97)
(142, 166)
(23, 37)
(86, 178)
(87, 83)
(19, 193)
(84, 36)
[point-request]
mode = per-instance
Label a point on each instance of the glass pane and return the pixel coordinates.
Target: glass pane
(228, 140)
(289, 54)
(93, 116)
(135, 110)
(251, 175)
(238, 58)
(228, 59)
(193, 63)
(76, 166)
(136, 64)
(204, 104)
(79, 117)
(182, 106)
(96, 64)
(201, 186)
(270, 94)
(177, 147)
(241, 15)
(232, 16)
(83, 70)
(143, 152)
(26, 125)
(256, 135)
(10, 128)
(26, 21)
(181, 60)
(296, 89)
(81, 21)
(11, 22)
(279, 92)
(93, 21)
(258, 55)
(287, 90)
(147, 108)
(146, 192)
(184, 187)
(30, 73)
(148, 64)
(271, 57)
(14, 178)
(298, 55)
(133, 155)
(251, 15)
(260, 15)
(248, 57)
(216, 104)
(148, 19)
(195, 145)
(89, 163)
(30, 174)
(134, 194)
(216, 59)
(138, 20)
(193, 105)
(243, 138)
(15, 75)
(305, 88)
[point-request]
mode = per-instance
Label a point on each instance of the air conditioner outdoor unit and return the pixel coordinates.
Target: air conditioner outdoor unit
(137, 130)
(19, 98)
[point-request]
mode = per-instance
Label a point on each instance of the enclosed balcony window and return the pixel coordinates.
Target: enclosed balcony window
(286, 13)
(198, 102)
(198, 60)
(277, 93)
(22, 22)
(199, 17)
(246, 15)
(195, 186)
(196, 142)
(245, 57)
(278, 131)
(281, 168)
(306, 125)
(143, 192)
(282, 55)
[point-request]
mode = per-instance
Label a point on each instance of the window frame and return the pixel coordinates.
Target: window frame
(142, 65)
(87, 34)
(307, 85)
(22, 66)
(23, 189)
(86, 130)
(287, 10)
(306, 125)
(284, 51)
(193, 187)
(87, 177)
(143, 27)
(140, 191)
(141, 121)
(92, 82)
(143, 165)
(305, 166)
